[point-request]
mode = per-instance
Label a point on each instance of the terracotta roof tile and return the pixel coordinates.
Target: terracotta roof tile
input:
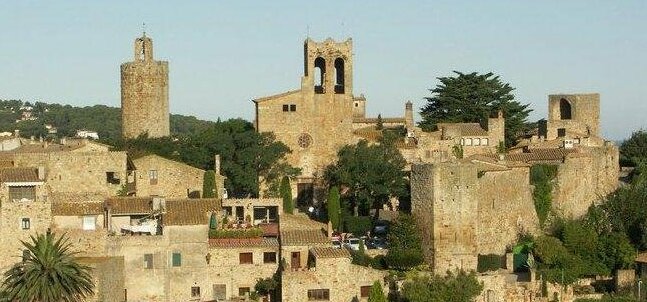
(472, 129)
(373, 120)
(130, 205)
(77, 208)
(541, 155)
(244, 242)
(19, 175)
(257, 100)
(190, 211)
(304, 237)
(269, 229)
(330, 252)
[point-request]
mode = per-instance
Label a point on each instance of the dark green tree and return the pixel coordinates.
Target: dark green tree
(634, 149)
(473, 98)
(405, 245)
(377, 293)
(462, 287)
(209, 184)
(334, 208)
(49, 273)
(286, 194)
(369, 173)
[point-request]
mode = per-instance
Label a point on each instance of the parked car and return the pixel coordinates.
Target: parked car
(336, 244)
(380, 228)
(377, 243)
(352, 243)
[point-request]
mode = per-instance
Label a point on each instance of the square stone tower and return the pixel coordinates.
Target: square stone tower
(144, 93)
(573, 115)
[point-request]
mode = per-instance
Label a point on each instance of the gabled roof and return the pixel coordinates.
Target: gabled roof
(466, 129)
(190, 211)
(19, 175)
(304, 237)
(164, 159)
(130, 205)
(77, 208)
(541, 155)
(258, 100)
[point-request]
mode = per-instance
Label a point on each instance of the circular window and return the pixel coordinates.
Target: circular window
(305, 140)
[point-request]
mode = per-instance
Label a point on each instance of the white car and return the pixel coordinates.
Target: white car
(352, 243)
(336, 244)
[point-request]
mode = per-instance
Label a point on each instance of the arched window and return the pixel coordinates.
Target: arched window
(320, 74)
(339, 75)
(565, 110)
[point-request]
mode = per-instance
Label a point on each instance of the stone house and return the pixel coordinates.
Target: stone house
(330, 276)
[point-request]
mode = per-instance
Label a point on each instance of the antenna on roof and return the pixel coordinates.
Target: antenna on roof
(144, 28)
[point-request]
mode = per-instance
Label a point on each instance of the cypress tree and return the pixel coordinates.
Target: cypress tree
(334, 208)
(209, 184)
(286, 194)
(376, 294)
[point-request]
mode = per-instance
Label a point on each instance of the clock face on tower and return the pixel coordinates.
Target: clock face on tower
(304, 140)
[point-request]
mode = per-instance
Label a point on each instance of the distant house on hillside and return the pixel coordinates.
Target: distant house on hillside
(85, 134)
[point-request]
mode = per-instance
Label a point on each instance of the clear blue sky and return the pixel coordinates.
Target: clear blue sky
(223, 54)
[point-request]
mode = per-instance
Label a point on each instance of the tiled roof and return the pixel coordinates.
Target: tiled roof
(77, 208)
(130, 205)
(300, 221)
(39, 147)
(269, 229)
(330, 252)
(74, 197)
(190, 211)
(303, 237)
(275, 96)
(244, 242)
(472, 129)
(6, 163)
(19, 175)
(541, 155)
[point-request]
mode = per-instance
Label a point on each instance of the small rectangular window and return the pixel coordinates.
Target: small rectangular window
(152, 176)
(364, 291)
(484, 141)
(195, 292)
(269, 257)
(89, 223)
(25, 223)
(148, 261)
(318, 294)
(177, 260)
(220, 291)
(477, 142)
(246, 258)
(468, 142)
(286, 108)
(561, 132)
(243, 291)
(293, 107)
(111, 179)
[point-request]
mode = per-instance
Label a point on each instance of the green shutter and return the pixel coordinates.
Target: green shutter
(177, 259)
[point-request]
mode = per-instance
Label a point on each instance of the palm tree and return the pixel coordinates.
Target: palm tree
(49, 272)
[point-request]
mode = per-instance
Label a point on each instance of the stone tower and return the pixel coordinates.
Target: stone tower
(573, 115)
(144, 93)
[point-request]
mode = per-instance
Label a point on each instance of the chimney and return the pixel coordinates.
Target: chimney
(16, 133)
(41, 172)
(40, 139)
(63, 141)
(31, 139)
(329, 229)
(408, 115)
(216, 166)
(45, 145)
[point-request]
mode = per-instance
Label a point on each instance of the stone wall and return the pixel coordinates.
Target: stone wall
(505, 209)
(11, 231)
(338, 275)
(144, 93)
(585, 114)
(174, 179)
(78, 172)
(586, 178)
